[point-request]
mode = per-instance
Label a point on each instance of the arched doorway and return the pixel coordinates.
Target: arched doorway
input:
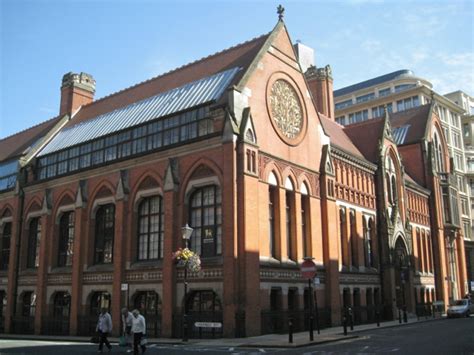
(204, 306)
(402, 264)
(57, 323)
(149, 305)
(95, 302)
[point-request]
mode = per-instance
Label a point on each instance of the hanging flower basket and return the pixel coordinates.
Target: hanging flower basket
(187, 258)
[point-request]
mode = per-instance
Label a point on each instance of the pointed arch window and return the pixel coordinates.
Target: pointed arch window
(305, 234)
(5, 245)
(206, 219)
(150, 228)
(391, 180)
(353, 240)
(104, 234)
(271, 220)
(342, 230)
(368, 242)
(66, 239)
(34, 239)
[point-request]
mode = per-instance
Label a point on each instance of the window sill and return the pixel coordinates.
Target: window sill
(30, 271)
(61, 270)
(146, 264)
(101, 267)
(212, 261)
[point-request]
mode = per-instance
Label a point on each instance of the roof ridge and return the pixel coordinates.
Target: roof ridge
(26, 129)
(357, 124)
(178, 68)
(409, 110)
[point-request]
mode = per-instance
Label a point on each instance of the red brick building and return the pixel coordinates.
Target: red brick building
(243, 147)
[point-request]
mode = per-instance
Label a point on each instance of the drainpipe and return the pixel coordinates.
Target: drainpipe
(21, 194)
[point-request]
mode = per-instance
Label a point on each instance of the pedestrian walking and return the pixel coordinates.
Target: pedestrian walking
(104, 327)
(139, 332)
(127, 320)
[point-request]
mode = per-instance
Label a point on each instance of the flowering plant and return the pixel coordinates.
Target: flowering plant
(187, 258)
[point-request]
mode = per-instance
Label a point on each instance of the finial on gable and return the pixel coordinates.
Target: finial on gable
(280, 12)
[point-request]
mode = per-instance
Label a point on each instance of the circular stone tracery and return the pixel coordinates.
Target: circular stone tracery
(286, 110)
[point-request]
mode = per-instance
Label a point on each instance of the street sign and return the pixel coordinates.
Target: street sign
(308, 269)
(207, 325)
(124, 287)
(317, 281)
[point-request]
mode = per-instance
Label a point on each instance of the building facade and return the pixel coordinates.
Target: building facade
(242, 146)
(466, 102)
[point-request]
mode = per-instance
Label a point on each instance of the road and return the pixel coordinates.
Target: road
(451, 336)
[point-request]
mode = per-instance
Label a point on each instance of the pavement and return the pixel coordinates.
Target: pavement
(301, 339)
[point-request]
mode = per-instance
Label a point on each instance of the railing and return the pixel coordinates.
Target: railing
(23, 325)
(55, 325)
(198, 332)
(86, 325)
(277, 321)
(364, 314)
(153, 325)
(424, 310)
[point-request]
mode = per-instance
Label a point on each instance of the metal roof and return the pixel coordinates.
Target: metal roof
(182, 98)
(400, 133)
(371, 82)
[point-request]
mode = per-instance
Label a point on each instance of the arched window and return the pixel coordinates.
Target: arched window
(289, 209)
(391, 180)
(34, 239)
(5, 245)
(28, 304)
(61, 304)
(438, 153)
(369, 242)
(150, 228)
(3, 305)
(271, 219)
(206, 219)
(66, 239)
(342, 230)
(353, 242)
(104, 234)
(99, 300)
(305, 225)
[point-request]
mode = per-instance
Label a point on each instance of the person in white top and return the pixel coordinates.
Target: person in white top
(139, 331)
(104, 327)
(127, 320)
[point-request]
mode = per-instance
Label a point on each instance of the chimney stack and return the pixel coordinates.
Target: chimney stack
(321, 86)
(76, 90)
(305, 55)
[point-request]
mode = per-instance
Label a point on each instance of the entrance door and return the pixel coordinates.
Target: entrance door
(401, 273)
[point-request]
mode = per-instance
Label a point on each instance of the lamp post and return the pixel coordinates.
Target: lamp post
(186, 232)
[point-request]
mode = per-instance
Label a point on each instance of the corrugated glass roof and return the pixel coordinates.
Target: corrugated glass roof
(400, 133)
(182, 98)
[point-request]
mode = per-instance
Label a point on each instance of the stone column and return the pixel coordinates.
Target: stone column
(170, 245)
(80, 235)
(42, 273)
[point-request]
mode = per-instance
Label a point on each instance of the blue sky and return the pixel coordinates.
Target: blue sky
(125, 42)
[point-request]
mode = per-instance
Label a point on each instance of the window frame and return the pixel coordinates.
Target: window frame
(148, 215)
(107, 235)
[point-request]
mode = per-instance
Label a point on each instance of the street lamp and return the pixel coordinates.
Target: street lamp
(186, 232)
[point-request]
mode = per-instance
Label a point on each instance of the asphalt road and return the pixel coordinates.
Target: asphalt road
(451, 336)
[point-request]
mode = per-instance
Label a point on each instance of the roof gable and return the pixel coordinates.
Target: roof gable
(366, 136)
(410, 126)
(238, 56)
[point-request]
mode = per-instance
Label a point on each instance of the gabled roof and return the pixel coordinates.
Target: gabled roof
(338, 137)
(240, 56)
(15, 145)
(366, 136)
(409, 126)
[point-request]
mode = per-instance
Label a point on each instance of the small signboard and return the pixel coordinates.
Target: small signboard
(208, 325)
(472, 285)
(124, 287)
(308, 269)
(317, 281)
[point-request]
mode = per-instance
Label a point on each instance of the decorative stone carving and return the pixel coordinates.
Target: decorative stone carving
(286, 110)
